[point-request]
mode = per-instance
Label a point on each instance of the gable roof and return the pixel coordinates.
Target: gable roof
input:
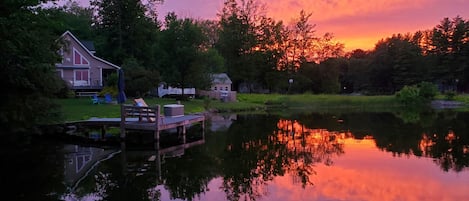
(89, 45)
(221, 78)
(87, 50)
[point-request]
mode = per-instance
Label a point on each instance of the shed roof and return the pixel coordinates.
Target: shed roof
(221, 78)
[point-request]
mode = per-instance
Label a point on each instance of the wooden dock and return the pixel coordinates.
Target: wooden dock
(150, 119)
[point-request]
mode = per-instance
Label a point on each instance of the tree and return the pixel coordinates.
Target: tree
(397, 62)
(73, 18)
(182, 40)
(139, 81)
(300, 41)
(449, 43)
(237, 39)
(29, 52)
(357, 76)
(247, 41)
(124, 31)
(302, 45)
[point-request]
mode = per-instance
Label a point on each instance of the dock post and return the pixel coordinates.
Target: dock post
(122, 124)
(103, 132)
(156, 135)
(184, 134)
(203, 128)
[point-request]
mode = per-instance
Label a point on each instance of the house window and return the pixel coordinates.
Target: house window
(215, 89)
(226, 88)
(78, 59)
(81, 77)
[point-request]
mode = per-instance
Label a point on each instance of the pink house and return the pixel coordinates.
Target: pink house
(80, 68)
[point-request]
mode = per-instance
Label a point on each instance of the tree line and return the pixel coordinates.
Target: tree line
(259, 54)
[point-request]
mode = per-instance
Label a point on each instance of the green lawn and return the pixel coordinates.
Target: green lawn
(82, 108)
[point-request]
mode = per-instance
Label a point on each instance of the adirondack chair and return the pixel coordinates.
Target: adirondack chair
(141, 103)
(107, 98)
(95, 99)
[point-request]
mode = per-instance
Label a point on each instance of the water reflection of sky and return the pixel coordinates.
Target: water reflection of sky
(294, 162)
(362, 173)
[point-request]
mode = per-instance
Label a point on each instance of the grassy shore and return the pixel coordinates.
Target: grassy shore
(82, 108)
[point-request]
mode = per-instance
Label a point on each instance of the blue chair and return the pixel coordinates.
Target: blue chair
(95, 99)
(107, 98)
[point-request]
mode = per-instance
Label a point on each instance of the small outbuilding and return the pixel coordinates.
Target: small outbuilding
(220, 88)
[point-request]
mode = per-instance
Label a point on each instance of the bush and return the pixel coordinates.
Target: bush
(409, 95)
(417, 94)
(109, 90)
(428, 90)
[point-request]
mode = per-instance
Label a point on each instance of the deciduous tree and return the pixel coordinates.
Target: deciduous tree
(28, 54)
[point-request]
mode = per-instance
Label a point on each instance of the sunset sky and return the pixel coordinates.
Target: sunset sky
(356, 23)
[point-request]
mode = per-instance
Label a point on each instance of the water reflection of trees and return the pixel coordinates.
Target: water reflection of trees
(442, 135)
(451, 151)
(273, 148)
(256, 149)
(305, 147)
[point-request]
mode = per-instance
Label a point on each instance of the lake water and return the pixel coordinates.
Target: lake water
(348, 156)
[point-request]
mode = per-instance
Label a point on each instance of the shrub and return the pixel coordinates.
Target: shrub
(409, 95)
(417, 94)
(109, 90)
(427, 90)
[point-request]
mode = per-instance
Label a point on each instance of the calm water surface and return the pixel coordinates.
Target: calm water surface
(351, 156)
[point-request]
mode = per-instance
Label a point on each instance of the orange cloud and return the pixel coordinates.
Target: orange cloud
(356, 23)
(361, 23)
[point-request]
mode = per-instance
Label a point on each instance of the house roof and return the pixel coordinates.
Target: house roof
(88, 50)
(89, 45)
(221, 78)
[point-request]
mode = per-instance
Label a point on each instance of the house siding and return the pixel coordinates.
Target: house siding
(221, 87)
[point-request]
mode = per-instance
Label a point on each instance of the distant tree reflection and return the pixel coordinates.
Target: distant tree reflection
(450, 151)
(289, 148)
(306, 147)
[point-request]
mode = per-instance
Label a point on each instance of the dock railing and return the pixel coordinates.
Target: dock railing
(138, 117)
(140, 112)
(150, 119)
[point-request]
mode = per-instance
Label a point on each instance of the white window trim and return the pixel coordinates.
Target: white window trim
(81, 55)
(75, 77)
(100, 76)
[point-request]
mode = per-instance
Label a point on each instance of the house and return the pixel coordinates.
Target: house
(80, 68)
(220, 88)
